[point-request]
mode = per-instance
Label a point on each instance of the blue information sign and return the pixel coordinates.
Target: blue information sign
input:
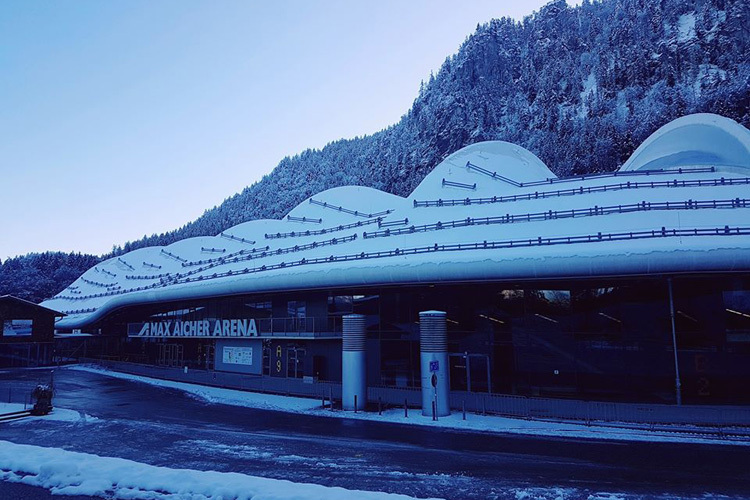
(434, 366)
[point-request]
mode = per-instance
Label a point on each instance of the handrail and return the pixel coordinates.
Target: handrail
(483, 245)
(583, 190)
(643, 206)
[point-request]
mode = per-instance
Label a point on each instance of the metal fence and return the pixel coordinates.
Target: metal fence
(482, 403)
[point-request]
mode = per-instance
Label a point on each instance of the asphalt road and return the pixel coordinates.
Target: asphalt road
(166, 427)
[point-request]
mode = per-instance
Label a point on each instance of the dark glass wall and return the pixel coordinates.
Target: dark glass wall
(594, 339)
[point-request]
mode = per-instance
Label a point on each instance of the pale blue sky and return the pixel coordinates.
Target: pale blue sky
(125, 118)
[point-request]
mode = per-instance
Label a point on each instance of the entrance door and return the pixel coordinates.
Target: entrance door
(295, 362)
(170, 355)
(470, 372)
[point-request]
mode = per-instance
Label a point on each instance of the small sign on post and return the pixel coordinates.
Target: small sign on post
(434, 366)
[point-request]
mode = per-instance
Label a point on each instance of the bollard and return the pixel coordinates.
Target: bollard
(406, 410)
(323, 402)
(380, 406)
(484, 406)
(355, 403)
(330, 396)
(463, 408)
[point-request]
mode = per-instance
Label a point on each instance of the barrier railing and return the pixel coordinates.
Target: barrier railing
(643, 206)
(341, 209)
(308, 327)
(318, 232)
(681, 170)
(483, 245)
(584, 190)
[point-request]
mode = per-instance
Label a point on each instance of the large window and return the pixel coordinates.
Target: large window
(737, 315)
(17, 328)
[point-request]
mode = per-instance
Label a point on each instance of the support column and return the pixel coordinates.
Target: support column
(433, 344)
(353, 362)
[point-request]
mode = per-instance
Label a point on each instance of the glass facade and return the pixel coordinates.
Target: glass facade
(608, 339)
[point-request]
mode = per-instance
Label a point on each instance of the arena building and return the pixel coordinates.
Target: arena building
(613, 286)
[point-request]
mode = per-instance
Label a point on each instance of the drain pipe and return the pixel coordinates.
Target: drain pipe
(353, 363)
(433, 344)
(677, 385)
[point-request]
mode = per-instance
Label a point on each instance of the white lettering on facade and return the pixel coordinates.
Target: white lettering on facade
(195, 328)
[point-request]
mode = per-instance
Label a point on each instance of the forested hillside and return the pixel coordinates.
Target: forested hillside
(580, 87)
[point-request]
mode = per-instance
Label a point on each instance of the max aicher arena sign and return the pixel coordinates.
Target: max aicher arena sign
(197, 328)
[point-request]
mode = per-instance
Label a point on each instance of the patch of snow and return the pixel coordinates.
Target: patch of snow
(686, 27)
(473, 423)
(72, 473)
(589, 87)
(708, 75)
(57, 414)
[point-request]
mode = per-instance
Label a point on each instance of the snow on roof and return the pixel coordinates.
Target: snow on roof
(699, 139)
(491, 211)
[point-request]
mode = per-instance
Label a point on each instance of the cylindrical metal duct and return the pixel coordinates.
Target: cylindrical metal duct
(353, 362)
(433, 343)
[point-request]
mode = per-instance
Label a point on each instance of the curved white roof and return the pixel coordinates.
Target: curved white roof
(491, 211)
(699, 139)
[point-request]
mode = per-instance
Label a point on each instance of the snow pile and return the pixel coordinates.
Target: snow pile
(57, 414)
(71, 473)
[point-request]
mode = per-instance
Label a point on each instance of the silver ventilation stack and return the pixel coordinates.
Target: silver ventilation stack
(353, 364)
(433, 343)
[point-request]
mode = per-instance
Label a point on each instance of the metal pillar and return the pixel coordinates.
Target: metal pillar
(433, 344)
(677, 385)
(353, 363)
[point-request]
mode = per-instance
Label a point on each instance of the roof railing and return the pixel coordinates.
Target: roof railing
(119, 259)
(94, 283)
(356, 213)
(663, 232)
(584, 190)
(492, 174)
(108, 273)
(213, 250)
(146, 277)
(643, 206)
(458, 184)
(235, 238)
(391, 223)
(318, 232)
(175, 257)
(303, 219)
(553, 180)
(153, 266)
(225, 257)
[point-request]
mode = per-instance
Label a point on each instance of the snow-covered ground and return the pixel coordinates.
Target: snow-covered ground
(72, 473)
(495, 424)
(57, 414)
